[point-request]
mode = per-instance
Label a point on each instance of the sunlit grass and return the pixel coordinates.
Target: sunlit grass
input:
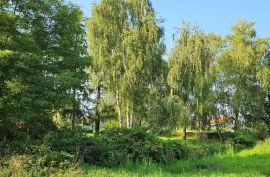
(252, 162)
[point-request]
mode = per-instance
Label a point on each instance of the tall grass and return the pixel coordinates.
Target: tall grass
(251, 162)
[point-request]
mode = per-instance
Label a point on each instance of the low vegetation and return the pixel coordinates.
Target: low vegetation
(133, 152)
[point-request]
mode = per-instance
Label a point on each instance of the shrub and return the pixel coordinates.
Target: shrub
(19, 147)
(64, 140)
(116, 146)
(38, 159)
(174, 150)
(53, 159)
(93, 151)
(261, 131)
(135, 143)
(35, 129)
(90, 149)
(242, 140)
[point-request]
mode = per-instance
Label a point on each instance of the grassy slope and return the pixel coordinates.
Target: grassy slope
(253, 162)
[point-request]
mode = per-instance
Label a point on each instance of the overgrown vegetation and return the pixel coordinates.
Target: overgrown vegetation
(94, 156)
(55, 91)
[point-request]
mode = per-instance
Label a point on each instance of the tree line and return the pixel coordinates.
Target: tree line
(57, 67)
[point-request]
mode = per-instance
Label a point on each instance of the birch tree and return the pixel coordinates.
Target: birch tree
(190, 72)
(242, 68)
(125, 40)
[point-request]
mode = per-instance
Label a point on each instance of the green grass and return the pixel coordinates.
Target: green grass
(252, 162)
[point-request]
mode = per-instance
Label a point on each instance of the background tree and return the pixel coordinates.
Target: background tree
(242, 71)
(266, 118)
(125, 41)
(191, 72)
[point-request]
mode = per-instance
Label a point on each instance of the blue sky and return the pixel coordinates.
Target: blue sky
(211, 15)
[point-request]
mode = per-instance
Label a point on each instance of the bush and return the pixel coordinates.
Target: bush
(93, 151)
(42, 162)
(64, 140)
(20, 147)
(35, 129)
(243, 140)
(136, 144)
(53, 159)
(261, 131)
(111, 147)
(174, 150)
(90, 149)
(116, 146)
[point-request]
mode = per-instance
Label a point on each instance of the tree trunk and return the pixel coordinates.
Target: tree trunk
(268, 112)
(204, 121)
(97, 125)
(236, 121)
(200, 126)
(268, 125)
(73, 114)
(97, 119)
(219, 132)
(184, 133)
(128, 118)
(131, 119)
(140, 121)
(118, 109)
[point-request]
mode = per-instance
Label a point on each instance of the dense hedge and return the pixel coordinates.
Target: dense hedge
(113, 147)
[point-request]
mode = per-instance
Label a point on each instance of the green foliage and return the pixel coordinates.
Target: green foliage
(242, 71)
(41, 165)
(136, 145)
(261, 131)
(53, 159)
(42, 61)
(63, 151)
(125, 41)
(90, 149)
(243, 140)
(174, 150)
(244, 163)
(191, 73)
(179, 113)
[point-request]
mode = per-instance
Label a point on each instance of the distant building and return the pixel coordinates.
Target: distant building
(220, 120)
(224, 121)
